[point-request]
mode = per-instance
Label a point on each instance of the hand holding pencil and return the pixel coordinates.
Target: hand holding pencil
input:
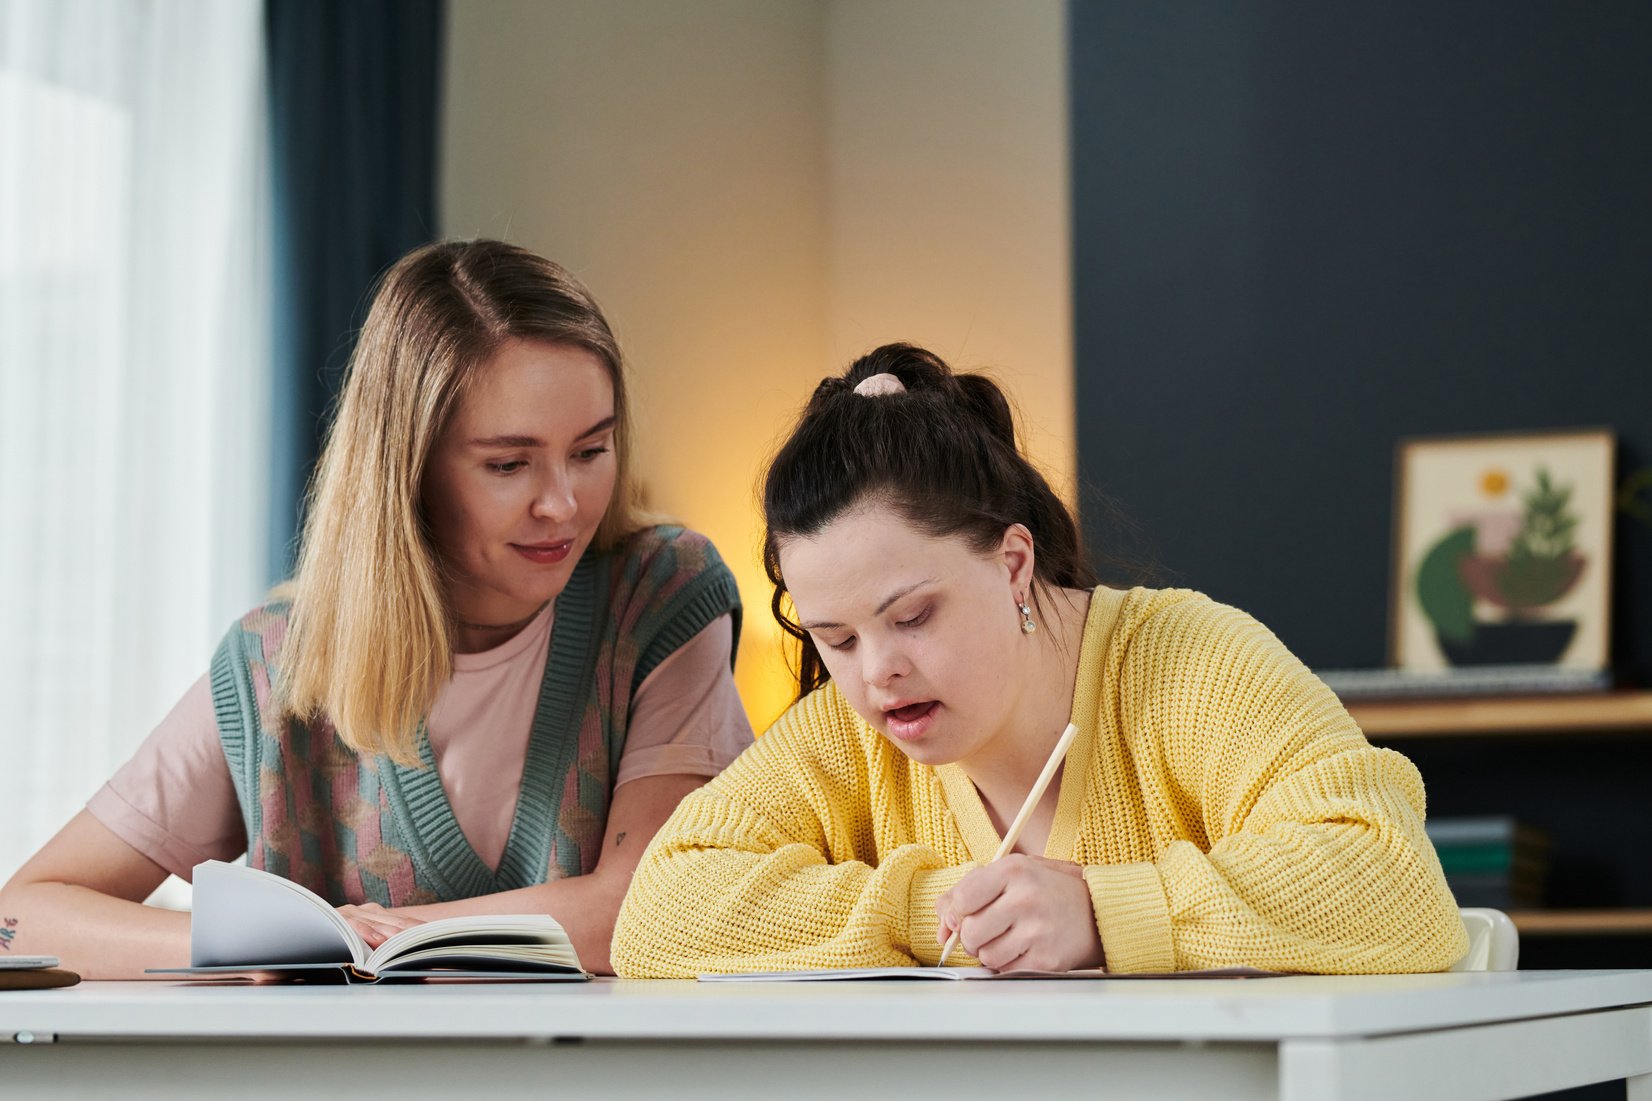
(1028, 912)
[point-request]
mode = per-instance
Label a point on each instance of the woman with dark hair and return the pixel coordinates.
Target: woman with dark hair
(1217, 806)
(488, 673)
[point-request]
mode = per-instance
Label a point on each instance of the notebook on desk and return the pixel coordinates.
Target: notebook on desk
(249, 922)
(972, 974)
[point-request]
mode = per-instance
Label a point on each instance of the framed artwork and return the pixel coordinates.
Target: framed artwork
(1502, 551)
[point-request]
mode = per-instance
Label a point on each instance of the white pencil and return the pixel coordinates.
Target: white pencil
(1057, 755)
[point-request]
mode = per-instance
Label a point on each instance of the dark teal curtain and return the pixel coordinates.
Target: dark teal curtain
(353, 88)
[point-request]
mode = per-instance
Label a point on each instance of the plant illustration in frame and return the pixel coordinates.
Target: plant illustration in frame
(1503, 551)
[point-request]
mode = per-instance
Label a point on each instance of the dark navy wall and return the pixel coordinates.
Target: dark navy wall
(1303, 231)
(1306, 230)
(354, 91)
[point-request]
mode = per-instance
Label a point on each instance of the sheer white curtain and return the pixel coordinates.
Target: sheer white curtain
(134, 383)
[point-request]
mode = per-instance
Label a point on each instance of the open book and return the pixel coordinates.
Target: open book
(973, 973)
(246, 920)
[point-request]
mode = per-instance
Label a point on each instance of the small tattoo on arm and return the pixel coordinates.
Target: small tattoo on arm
(8, 933)
(619, 838)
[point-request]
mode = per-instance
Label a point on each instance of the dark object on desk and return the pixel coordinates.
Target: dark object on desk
(39, 978)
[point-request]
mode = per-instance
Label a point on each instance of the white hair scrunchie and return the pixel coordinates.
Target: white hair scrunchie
(877, 385)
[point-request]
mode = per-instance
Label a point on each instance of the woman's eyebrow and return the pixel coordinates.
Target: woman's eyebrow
(602, 425)
(896, 595)
(507, 441)
(814, 625)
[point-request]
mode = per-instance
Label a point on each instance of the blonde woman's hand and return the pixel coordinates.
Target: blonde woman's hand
(1023, 912)
(376, 924)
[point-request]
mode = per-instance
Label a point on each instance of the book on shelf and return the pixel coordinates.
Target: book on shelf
(1498, 892)
(1490, 829)
(1490, 860)
(1464, 681)
(1494, 860)
(245, 920)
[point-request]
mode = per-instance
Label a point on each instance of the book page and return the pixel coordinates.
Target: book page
(243, 916)
(522, 942)
(846, 974)
(972, 974)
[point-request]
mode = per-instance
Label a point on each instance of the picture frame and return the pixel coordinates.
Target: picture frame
(1503, 551)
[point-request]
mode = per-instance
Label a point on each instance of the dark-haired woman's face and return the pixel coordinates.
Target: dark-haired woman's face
(921, 634)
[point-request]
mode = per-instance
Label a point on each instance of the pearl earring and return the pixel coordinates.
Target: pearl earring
(1027, 624)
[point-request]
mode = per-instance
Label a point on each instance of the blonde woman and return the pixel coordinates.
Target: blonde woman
(488, 683)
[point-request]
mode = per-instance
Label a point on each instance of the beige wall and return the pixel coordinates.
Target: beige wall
(757, 190)
(669, 154)
(948, 199)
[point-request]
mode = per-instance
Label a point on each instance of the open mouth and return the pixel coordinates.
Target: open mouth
(910, 720)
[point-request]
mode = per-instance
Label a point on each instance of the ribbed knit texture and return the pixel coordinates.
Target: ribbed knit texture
(357, 829)
(1228, 811)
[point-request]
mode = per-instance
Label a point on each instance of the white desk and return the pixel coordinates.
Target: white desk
(1416, 1037)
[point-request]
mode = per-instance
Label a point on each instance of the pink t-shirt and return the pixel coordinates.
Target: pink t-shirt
(175, 803)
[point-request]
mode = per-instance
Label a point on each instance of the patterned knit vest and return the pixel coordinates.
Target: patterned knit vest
(359, 829)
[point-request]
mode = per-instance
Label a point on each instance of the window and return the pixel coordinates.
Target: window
(134, 384)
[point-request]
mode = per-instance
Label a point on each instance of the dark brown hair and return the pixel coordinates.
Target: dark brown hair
(943, 455)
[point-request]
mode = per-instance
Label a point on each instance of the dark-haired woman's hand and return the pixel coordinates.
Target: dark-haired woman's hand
(376, 924)
(1023, 912)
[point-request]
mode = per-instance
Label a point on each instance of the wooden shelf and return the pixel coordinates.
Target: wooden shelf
(1563, 923)
(1597, 712)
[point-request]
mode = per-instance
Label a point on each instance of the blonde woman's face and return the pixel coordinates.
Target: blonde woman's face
(921, 634)
(520, 477)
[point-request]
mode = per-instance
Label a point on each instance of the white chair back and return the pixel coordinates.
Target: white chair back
(1493, 941)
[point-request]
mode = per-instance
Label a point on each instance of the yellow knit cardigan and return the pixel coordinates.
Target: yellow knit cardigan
(1229, 812)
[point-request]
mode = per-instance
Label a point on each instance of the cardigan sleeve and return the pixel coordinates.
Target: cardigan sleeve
(1306, 850)
(772, 867)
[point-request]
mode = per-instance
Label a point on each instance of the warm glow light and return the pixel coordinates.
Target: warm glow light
(766, 685)
(704, 440)
(755, 202)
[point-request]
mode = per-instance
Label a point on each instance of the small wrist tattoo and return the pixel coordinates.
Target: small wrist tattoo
(618, 838)
(8, 933)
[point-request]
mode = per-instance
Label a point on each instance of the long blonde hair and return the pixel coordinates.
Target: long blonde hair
(369, 640)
